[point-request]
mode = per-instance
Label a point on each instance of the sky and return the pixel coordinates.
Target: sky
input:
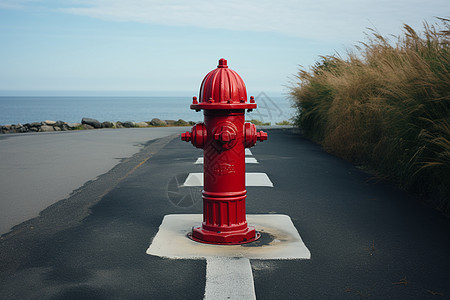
(154, 48)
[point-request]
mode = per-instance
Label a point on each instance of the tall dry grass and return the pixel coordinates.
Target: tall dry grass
(386, 106)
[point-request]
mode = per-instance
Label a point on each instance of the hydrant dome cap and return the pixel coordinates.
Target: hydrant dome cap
(223, 88)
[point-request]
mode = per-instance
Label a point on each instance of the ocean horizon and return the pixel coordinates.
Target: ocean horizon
(71, 109)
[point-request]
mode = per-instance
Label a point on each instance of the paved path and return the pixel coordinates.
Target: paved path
(367, 239)
(37, 170)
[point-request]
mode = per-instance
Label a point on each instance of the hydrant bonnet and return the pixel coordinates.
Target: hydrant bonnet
(223, 88)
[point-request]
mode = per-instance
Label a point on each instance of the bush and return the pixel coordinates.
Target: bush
(258, 122)
(284, 122)
(386, 107)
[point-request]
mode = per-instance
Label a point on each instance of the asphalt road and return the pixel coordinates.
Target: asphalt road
(367, 239)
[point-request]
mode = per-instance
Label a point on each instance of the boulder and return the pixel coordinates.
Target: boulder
(49, 123)
(128, 124)
(158, 122)
(46, 128)
(87, 126)
(107, 124)
(73, 125)
(91, 122)
(142, 124)
(170, 122)
(60, 123)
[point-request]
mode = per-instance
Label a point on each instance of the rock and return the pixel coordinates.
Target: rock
(56, 128)
(87, 126)
(35, 124)
(49, 122)
(142, 124)
(46, 128)
(60, 123)
(73, 125)
(158, 122)
(170, 122)
(34, 129)
(107, 124)
(91, 122)
(128, 124)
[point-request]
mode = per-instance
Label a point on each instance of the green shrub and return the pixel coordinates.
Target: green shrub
(258, 122)
(284, 122)
(387, 107)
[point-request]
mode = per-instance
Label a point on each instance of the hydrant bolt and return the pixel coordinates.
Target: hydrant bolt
(262, 136)
(186, 136)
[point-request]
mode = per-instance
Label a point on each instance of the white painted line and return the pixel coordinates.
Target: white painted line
(257, 179)
(251, 160)
(248, 160)
(251, 179)
(194, 179)
(229, 278)
(171, 240)
(248, 152)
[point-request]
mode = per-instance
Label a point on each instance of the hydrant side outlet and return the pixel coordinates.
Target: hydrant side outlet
(223, 136)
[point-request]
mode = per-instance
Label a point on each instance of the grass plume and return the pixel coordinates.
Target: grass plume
(386, 106)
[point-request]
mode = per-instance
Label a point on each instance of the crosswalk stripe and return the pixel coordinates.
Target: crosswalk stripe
(248, 160)
(251, 179)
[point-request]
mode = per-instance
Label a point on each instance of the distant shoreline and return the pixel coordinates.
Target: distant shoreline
(87, 124)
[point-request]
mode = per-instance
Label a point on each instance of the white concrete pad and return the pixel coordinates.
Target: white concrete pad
(171, 241)
(248, 160)
(251, 179)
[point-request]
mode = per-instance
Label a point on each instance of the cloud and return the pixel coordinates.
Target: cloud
(312, 19)
(13, 4)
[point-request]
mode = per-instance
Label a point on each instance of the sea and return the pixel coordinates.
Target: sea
(21, 109)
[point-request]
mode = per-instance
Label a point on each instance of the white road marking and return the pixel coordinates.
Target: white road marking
(248, 152)
(251, 179)
(257, 179)
(248, 160)
(251, 160)
(229, 278)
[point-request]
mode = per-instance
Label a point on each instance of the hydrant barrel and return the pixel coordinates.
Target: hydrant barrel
(223, 136)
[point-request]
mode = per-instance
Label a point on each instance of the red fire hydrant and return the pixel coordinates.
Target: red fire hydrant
(223, 136)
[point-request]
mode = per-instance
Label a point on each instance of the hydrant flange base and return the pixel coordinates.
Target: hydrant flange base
(239, 239)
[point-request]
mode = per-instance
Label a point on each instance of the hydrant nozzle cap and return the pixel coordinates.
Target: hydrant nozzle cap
(222, 63)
